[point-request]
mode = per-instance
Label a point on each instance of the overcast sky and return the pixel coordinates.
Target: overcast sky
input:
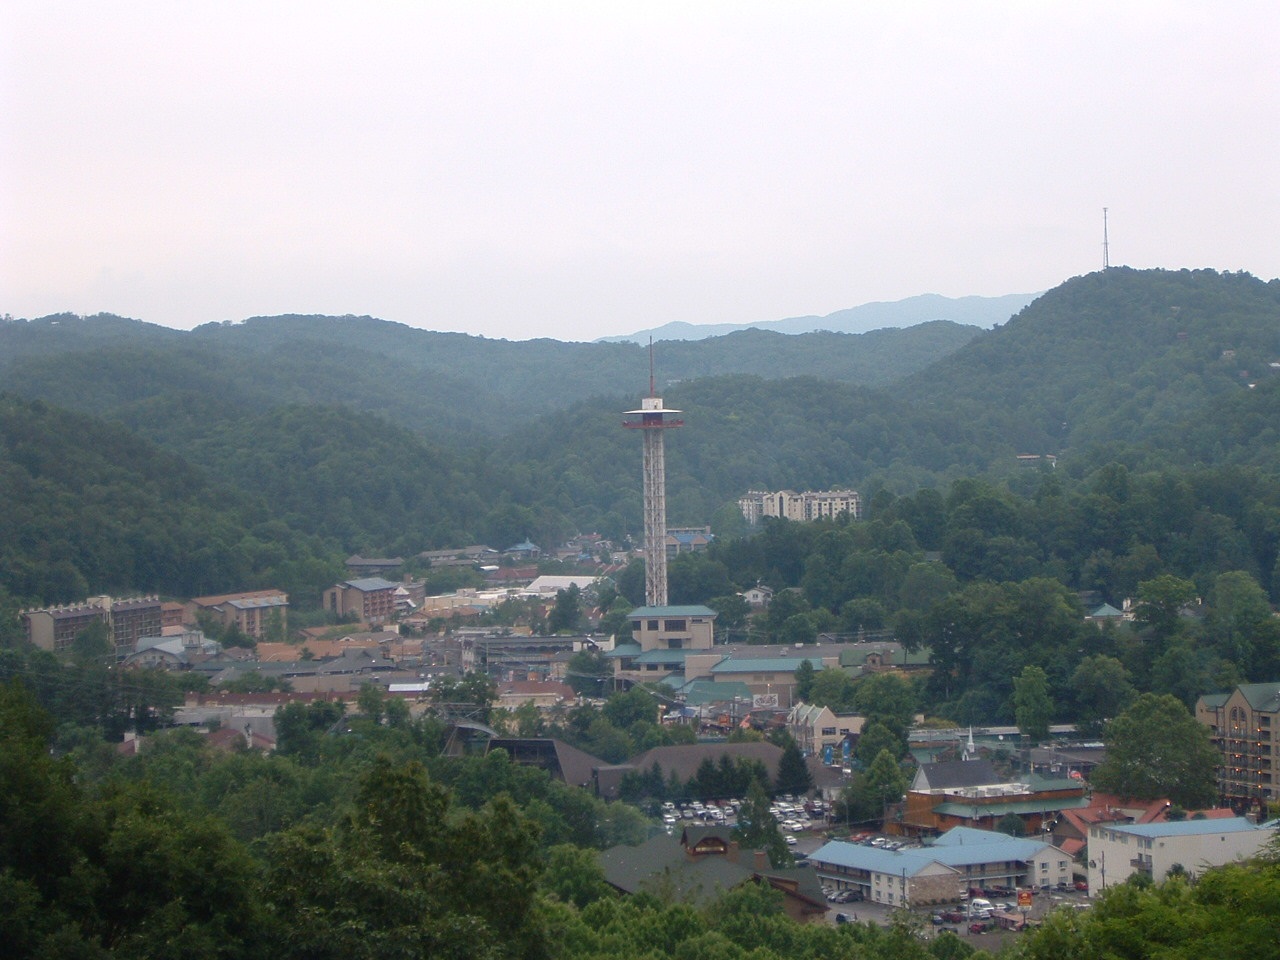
(579, 170)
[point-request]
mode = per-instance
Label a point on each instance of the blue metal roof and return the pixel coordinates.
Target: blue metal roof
(1183, 828)
(958, 848)
(842, 853)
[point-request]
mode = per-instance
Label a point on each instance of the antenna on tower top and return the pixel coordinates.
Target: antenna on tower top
(652, 390)
(1106, 255)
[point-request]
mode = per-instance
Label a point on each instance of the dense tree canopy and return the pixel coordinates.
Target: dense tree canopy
(1155, 749)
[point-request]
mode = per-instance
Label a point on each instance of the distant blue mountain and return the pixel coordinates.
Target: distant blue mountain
(972, 311)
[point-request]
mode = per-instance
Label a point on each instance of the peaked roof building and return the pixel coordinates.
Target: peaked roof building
(701, 863)
(1245, 727)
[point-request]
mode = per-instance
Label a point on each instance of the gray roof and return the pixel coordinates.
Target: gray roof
(662, 866)
(371, 583)
(660, 863)
(575, 767)
(254, 603)
(955, 774)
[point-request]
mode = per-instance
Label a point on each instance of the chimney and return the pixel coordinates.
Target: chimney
(762, 862)
(733, 851)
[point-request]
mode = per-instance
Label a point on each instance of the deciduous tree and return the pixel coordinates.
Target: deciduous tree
(1155, 749)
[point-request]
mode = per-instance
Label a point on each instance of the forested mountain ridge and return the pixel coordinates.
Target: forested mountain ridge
(1111, 356)
(360, 472)
(976, 311)
(438, 383)
(91, 508)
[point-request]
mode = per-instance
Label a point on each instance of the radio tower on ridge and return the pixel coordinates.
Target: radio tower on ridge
(653, 421)
(1106, 252)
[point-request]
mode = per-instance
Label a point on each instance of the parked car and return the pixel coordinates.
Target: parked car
(843, 918)
(1082, 886)
(953, 916)
(981, 926)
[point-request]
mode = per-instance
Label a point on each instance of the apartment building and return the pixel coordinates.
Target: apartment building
(1118, 851)
(252, 612)
(803, 507)
(371, 599)
(127, 620)
(1245, 727)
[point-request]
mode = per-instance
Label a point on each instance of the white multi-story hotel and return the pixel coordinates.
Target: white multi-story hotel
(810, 505)
(1118, 851)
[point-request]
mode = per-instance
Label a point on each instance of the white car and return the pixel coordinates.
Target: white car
(791, 841)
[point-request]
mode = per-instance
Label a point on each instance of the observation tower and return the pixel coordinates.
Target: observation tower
(653, 421)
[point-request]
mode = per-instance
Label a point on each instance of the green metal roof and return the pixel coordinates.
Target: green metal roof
(663, 656)
(1016, 806)
(640, 613)
(1261, 696)
(701, 692)
(765, 665)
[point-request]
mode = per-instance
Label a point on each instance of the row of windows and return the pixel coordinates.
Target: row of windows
(679, 626)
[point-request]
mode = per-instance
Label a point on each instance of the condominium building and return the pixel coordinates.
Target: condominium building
(1118, 851)
(56, 628)
(371, 599)
(810, 505)
(1245, 727)
(252, 613)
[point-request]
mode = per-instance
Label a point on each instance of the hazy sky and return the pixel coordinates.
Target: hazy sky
(579, 170)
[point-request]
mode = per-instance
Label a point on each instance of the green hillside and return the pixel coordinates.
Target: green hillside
(91, 508)
(1111, 356)
(437, 384)
(375, 437)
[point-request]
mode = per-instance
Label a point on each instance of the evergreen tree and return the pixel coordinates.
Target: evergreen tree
(757, 827)
(1032, 707)
(793, 772)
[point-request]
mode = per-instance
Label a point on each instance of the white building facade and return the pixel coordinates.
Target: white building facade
(1118, 851)
(801, 507)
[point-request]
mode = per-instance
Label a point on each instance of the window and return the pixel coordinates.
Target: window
(651, 624)
(678, 625)
(828, 731)
(675, 643)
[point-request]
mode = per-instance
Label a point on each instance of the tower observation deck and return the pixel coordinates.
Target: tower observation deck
(653, 421)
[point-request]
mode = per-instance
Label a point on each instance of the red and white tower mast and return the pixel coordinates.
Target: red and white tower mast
(653, 421)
